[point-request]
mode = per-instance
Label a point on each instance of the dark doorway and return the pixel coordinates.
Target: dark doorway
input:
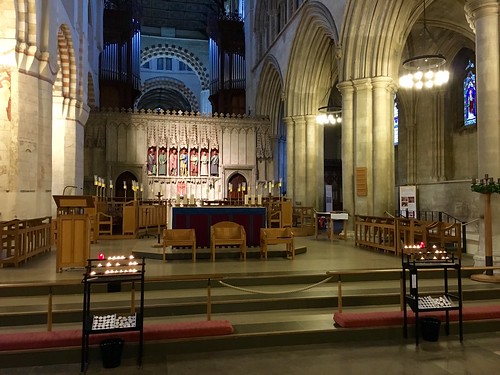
(235, 181)
(119, 191)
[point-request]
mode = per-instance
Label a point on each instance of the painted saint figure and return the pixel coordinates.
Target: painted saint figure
(173, 162)
(214, 163)
(204, 162)
(193, 170)
(183, 161)
(162, 162)
(151, 164)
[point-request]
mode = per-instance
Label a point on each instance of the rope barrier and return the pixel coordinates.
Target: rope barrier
(285, 292)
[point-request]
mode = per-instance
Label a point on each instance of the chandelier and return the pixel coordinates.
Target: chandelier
(424, 71)
(329, 115)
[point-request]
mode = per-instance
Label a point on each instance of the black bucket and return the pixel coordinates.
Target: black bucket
(429, 328)
(111, 352)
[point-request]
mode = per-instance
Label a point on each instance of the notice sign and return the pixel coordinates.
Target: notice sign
(328, 198)
(408, 201)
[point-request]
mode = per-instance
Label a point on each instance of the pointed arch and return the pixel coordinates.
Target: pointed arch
(66, 82)
(270, 89)
(312, 68)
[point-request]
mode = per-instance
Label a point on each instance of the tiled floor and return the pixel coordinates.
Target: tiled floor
(478, 354)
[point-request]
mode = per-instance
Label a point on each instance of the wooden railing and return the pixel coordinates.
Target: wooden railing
(59, 285)
(392, 234)
(375, 232)
(23, 239)
(338, 276)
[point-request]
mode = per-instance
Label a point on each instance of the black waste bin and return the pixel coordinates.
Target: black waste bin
(430, 328)
(111, 352)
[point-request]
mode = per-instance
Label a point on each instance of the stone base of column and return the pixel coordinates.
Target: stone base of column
(486, 278)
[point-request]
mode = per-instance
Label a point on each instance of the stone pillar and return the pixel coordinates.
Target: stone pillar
(314, 181)
(438, 141)
(290, 155)
(383, 146)
(69, 117)
(319, 193)
(363, 143)
(411, 149)
(347, 90)
(299, 162)
(483, 16)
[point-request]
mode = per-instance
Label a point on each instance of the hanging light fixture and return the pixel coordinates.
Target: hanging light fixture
(329, 115)
(424, 71)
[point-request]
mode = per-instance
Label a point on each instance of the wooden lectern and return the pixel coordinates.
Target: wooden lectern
(73, 230)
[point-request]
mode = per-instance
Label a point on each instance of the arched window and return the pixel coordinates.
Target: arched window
(470, 105)
(396, 122)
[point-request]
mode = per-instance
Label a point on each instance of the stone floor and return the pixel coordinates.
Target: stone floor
(478, 354)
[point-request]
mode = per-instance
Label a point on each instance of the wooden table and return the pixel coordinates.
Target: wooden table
(328, 219)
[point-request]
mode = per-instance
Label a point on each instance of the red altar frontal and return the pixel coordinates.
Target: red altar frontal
(201, 218)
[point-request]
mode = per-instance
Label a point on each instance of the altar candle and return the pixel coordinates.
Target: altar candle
(259, 199)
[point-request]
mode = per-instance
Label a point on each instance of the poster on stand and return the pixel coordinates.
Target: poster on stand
(408, 201)
(328, 198)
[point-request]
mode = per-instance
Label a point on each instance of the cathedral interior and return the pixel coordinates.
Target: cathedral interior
(362, 107)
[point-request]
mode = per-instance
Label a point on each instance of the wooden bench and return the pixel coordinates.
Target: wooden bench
(275, 236)
(179, 237)
(228, 233)
(73, 337)
(392, 318)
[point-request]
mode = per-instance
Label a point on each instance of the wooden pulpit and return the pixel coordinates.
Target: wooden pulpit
(73, 230)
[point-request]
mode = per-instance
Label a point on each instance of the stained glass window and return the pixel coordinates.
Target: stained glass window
(396, 122)
(470, 106)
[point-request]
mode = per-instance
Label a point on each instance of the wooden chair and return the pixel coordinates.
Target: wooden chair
(275, 236)
(274, 215)
(104, 224)
(228, 233)
(179, 237)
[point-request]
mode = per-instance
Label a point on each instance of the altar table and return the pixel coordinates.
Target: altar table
(201, 218)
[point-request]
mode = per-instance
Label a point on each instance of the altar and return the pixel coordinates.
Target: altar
(201, 218)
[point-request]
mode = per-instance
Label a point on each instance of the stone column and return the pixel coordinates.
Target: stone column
(483, 16)
(347, 90)
(383, 146)
(438, 145)
(363, 143)
(299, 162)
(290, 155)
(314, 164)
